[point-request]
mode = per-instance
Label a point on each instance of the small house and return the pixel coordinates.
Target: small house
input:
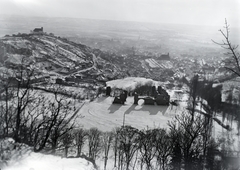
(38, 31)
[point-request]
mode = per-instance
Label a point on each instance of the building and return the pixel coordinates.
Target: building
(165, 57)
(38, 31)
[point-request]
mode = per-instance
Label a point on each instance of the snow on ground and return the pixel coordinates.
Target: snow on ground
(48, 42)
(37, 161)
(22, 158)
(69, 54)
(17, 42)
(104, 115)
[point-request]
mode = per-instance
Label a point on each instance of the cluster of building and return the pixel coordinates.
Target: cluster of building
(150, 95)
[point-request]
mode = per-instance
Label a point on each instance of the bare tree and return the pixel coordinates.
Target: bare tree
(129, 143)
(21, 102)
(193, 94)
(18, 96)
(107, 138)
(147, 147)
(115, 144)
(232, 63)
(31, 119)
(164, 147)
(64, 122)
(6, 106)
(67, 141)
(94, 142)
(80, 138)
(24, 96)
(189, 134)
(58, 118)
(176, 155)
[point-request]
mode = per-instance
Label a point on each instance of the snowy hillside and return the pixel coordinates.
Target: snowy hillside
(79, 69)
(55, 58)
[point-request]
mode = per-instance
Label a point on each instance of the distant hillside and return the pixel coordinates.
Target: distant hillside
(57, 60)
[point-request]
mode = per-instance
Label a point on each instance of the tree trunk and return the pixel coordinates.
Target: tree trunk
(127, 165)
(119, 160)
(105, 162)
(148, 165)
(163, 164)
(18, 121)
(115, 157)
(54, 148)
(66, 152)
(79, 150)
(141, 165)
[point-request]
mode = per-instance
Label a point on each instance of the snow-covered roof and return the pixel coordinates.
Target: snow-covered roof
(131, 83)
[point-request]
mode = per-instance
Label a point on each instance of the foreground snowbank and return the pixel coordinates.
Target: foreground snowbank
(37, 161)
(20, 157)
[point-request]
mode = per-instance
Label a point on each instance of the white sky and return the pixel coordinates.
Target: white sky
(194, 12)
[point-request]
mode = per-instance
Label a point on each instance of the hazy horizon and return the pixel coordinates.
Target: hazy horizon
(194, 12)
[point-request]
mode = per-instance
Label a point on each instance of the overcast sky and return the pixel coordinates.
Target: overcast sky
(194, 12)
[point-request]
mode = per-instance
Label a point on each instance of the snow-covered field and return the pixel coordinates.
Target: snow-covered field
(104, 115)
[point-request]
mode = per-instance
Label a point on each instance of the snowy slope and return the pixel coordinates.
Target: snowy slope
(47, 47)
(52, 55)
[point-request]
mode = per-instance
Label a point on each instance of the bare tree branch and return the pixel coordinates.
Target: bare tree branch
(232, 53)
